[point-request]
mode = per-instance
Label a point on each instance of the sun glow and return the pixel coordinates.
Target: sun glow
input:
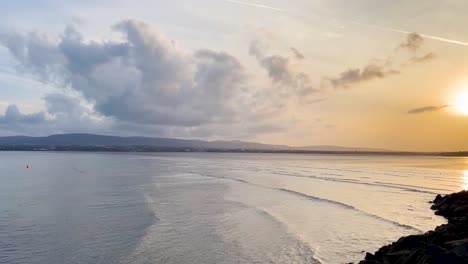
(460, 103)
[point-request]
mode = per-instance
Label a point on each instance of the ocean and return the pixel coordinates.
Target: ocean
(214, 207)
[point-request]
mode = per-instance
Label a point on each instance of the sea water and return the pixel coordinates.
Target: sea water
(214, 207)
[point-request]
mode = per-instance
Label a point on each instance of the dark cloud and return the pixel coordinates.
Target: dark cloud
(424, 58)
(63, 114)
(297, 54)
(281, 71)
(13, 120)
(413, 42)
(426, 109)
(356, 75)
(144, 80)
(277, 68)
(379, 69)
(13, 116)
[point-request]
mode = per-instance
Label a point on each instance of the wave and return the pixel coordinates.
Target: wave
(323, 200)
(424, 174)
(352, 181)
(384, 172)
(347, 206)
(318, 199)
(293, 250)
(307, 254)
(411, 186)
(408, 188)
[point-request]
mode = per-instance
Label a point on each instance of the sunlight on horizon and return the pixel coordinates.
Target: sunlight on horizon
(460, 103)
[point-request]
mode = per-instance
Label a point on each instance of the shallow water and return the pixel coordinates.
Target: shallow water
(214, 208)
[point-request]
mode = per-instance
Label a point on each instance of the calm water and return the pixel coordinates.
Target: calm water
(214, 208)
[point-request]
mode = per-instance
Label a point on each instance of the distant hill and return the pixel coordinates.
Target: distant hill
(339, 148)
(100, 140)
(91, 140)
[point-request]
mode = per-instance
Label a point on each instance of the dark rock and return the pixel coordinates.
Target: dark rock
(461, 210)
(460, 250)
(447, 244)
(370, 262)
(369, 256)
(457, 242)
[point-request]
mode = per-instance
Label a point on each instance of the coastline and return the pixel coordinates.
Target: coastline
(446, 244)
(168, 149)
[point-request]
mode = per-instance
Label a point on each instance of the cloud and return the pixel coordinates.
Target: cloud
(356, 75)
(426, 109)
(13, 116)
(281, 71)
(297, 54)
(35, 52)
(412, 34)
(13, 120)
(278, 69)
(63, 114)
(413, 42)
(383, 68)
(60, 104)
(145, 81)
(424, 58)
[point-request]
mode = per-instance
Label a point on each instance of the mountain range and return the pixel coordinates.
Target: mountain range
(92, 140)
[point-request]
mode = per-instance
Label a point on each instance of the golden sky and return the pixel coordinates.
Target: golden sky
(364, 73)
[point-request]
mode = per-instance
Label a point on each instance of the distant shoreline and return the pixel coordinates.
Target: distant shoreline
(157, 149)
(106, 143)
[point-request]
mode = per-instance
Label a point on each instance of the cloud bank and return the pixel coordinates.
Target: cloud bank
(383, 68)
(145, 83)
(145, 80)
(13, 116)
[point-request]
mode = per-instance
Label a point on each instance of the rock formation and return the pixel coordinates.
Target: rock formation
(447, 244)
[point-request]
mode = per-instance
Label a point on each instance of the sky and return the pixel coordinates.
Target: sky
(363, 73)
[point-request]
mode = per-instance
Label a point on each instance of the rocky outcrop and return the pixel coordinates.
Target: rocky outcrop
(447, 244)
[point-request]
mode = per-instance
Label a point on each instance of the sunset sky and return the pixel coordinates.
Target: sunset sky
(363, 73)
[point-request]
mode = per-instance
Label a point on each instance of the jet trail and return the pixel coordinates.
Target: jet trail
(255, 5)
(452, 41)
(406, 32)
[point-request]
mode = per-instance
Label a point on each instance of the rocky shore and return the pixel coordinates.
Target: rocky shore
(447, 244)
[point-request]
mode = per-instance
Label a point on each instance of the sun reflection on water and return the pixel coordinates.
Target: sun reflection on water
(464, 180)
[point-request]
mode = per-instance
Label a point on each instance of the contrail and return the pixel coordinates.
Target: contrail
(401, 31)
(255, 5)
(452, 41)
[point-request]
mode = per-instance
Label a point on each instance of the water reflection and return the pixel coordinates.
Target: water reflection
(464, 180)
